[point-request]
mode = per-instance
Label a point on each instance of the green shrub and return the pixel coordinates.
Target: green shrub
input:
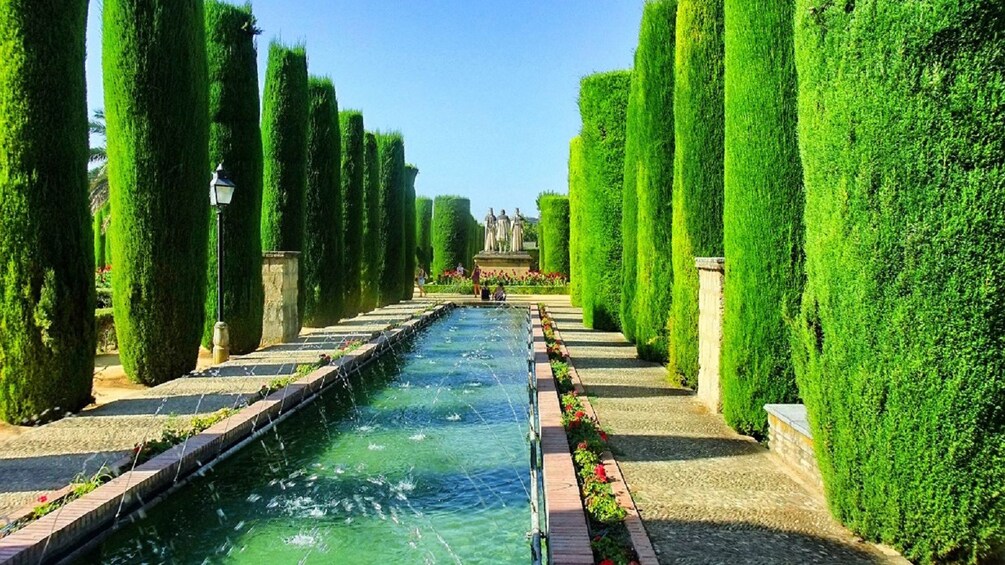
(450, 232)
(424, 231)
(371, 226)
(762, 212)
(320, 265)
(603, 101)
(235, 139)
(104, 324)
(473, 247)
(698, 155)
(630, 209)
(654, 73)
(98, 231)
(391, 154)
(353, 210)
(577, 191)
(899, 344)
(408, 274)
(554, 233)
(46, 286)
(157, 117)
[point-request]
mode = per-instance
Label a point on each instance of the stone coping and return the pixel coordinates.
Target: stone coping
(710, 263)
(87, 519)
(793, 415)
(280, 254)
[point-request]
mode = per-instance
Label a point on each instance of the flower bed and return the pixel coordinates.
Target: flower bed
(467, 287)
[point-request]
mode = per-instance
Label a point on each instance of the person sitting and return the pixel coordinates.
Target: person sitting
(500, 294)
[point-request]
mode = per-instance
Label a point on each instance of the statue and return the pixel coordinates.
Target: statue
(502, 231)
(490, 232)
(516, 243)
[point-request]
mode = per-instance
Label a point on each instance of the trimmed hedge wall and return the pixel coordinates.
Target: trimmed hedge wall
(577, 192)
(603, 101)
(408, 274)
(321, 262)
(762, 212)
(353, 208)
(158, 173)
(451, 215)
(47, 283)
(698, 166)
(424, 232)
(630, 210)
(235, 139)
(553, 233)
(899, 347)
(99, 236)
(371, 224)
(391, 154)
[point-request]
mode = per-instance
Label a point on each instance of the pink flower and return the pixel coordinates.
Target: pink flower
(43, 498)
(582, 445)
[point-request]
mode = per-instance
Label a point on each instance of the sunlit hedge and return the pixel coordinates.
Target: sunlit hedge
(451, 230)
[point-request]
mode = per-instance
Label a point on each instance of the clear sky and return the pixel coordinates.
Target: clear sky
(484, 91)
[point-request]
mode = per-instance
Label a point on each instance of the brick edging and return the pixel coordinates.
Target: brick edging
(55, 535)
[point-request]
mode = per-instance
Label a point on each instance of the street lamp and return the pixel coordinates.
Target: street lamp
(221, 191)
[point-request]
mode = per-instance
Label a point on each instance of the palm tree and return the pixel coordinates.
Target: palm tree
(98, 173)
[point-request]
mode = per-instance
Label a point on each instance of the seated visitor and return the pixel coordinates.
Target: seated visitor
(500, 294)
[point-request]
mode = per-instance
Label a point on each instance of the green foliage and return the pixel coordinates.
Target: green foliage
(157, 112)
(391, 154)
(409, 224)
(577, 203)
(451, 215)
(654, 75)
(46, 286)
(554, 234)
(424, 232)
(371, 226)
(630, 208)
(353, 209)
(473, 243)
(603, 102)
(698, 165)
(321, 261)
(762, 212)
(235, 139)
(898, 345)
(100, 239)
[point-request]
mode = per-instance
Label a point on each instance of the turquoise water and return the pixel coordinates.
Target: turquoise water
(423, 458)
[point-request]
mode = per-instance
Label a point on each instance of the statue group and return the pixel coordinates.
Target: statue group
(501, 235)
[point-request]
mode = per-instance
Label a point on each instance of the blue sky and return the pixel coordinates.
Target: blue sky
(484, 91)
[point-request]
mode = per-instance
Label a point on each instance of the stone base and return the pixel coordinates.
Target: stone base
(710, 278)
(789, 438)
(515, 264)
(280, 317)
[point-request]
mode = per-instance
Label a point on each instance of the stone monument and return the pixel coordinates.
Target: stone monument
(490, 231)
(504, 250)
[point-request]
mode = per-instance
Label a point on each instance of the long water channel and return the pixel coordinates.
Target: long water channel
(421, 457)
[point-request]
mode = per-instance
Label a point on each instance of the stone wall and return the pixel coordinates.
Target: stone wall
(280, 276)
(710, 276)
(789, 438)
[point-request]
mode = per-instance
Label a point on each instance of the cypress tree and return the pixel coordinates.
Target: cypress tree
(97, 228)
(408, 276)
(450, 232)
(320, 266)
(603, 102)
(371, 226)
(553, 233)
(391, 154)
(577, 189)
(654, 78)
(353, 210)
(235, 139)
(423, 231)
(762, 211)
(158, 172)
(698, 155)
(630, 209)
(47, 286)
(898, 347)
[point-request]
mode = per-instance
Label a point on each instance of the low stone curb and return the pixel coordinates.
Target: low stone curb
(53, 536)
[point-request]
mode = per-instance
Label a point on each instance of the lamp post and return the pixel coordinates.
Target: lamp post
(221, 191)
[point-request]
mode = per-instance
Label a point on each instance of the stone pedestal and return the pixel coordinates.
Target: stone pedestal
(790, 438)
(280, 275)
(516, 264)
(710, 275)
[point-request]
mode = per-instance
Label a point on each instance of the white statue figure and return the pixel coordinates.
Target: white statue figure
(490, 232)
(516, 241)
(502, 231)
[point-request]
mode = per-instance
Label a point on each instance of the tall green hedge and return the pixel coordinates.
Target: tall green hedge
(391, 154)
(603, 101)
(900, 356)
(654, 73)
(353, 209)
(451, 215)
(47, 286)
(698, 166)
(762, 211)
(158, 172)
(321, 263)
(553, 233)
(371, 226)
(577, 203)
(630, 210)
(235, 139)
(473, 246)
(424, 231)
(408, 275)
(100, 238)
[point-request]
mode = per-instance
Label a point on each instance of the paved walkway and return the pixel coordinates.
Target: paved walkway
(49, 457)
(705, 493)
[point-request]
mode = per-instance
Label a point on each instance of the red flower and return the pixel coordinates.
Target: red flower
(607, 562)
(582, 445)
(579, 415)
(600, 472)
(43, 498)
(603, 435)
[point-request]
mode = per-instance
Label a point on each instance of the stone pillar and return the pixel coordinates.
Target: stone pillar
(280, 276)
(710, 275)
